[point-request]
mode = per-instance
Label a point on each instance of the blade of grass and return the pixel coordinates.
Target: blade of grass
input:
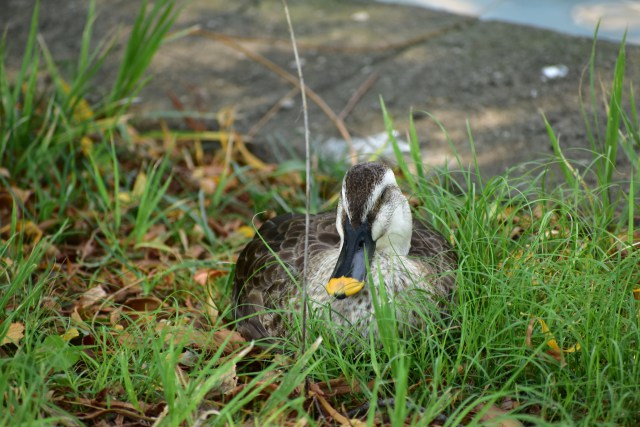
(146, 37)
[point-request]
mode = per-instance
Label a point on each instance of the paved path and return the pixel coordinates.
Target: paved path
(460, 70)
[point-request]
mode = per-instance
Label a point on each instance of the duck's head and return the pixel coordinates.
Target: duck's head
(373, 216)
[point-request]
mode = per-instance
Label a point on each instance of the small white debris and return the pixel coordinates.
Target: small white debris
(553, 72)
(361, 16)
(287, 104)
(293, 65)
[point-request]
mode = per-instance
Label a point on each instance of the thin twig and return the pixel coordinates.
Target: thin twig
(337, 122)
(307, 150)
(358, 94)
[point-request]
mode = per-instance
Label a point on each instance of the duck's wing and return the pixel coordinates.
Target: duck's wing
(268, 265)
(429, 245)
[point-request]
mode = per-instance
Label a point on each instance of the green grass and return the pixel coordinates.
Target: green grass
(104, 246)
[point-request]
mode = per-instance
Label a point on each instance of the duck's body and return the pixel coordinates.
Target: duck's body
(373, 217)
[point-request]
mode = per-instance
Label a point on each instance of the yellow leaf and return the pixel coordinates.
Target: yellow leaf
(199, 152)
(551, 342)
(249, 158)
(82, 111)
(246, 231)
(30, 229)
(14, 334)
(636, 293)
(70, 334)
(86, 145)
(124, 197)
(139, 185)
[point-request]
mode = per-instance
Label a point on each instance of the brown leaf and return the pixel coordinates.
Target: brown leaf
(527, 338)
(102, 408)
(315, 389)
(228, 381)
(75, 316)
(195, 252)
(225, 228)
(203, 276)
(492, 414)
(91, 296)
(625, 247)
(341, 386)
(142, 304)
(509, 404)
(30, 229)
(337, 416)
(7, 196)
(14, 334)
(157, 232)
(234, 340)
(516, 233)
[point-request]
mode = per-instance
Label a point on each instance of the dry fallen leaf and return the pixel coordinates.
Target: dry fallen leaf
(91, 296)
(509, 404)
(492, 414)
(142, 304)
(7, 196)
(139, 185)
(202, 276)
(228, 381)
(552, 342)
(340, 386)
(233, 339)
(622, 245)
(14, 334)
(337, 416)
(31, 230)
(556, 351)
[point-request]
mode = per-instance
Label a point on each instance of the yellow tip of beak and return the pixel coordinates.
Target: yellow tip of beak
(344, 287)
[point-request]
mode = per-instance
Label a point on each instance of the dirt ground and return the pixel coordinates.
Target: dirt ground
(463, 72)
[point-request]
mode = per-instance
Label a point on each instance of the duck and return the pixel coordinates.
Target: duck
(370, 240)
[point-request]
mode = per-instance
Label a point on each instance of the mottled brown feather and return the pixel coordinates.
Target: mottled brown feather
(260, 269)
(261, 282)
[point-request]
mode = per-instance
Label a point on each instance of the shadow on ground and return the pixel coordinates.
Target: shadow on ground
(458, 69)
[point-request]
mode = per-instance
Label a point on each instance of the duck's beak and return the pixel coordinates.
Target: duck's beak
(351, 269)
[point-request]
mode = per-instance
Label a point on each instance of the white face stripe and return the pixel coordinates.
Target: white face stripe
(389, 179)
(345, 202)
